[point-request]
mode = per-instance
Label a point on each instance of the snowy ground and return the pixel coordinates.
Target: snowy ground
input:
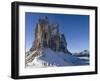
(49, 58)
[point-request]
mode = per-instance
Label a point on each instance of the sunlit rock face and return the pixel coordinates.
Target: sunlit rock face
(48, 36)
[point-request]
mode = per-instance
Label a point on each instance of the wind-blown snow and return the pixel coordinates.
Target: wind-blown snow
(50, 58)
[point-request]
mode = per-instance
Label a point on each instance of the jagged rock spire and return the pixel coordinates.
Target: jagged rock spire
(48, 36)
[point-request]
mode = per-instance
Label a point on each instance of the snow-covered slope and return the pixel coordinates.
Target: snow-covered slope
(83, 55)
(49, 58)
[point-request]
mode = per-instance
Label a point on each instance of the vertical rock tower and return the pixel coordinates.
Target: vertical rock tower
(48, 36)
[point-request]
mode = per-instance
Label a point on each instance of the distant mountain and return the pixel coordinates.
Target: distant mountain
(83, 53)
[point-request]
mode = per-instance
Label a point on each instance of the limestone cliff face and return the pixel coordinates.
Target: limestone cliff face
(48, 36)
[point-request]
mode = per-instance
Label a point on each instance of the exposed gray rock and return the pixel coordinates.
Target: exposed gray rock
(48, 36)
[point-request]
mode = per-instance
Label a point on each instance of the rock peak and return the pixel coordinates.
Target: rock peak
(48, 36)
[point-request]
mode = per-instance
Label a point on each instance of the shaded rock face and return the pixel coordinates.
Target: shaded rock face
(48, 36)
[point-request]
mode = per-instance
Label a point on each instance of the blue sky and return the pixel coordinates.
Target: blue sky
(74, 27)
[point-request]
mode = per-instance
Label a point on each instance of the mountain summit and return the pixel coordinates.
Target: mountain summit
(48, 36)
